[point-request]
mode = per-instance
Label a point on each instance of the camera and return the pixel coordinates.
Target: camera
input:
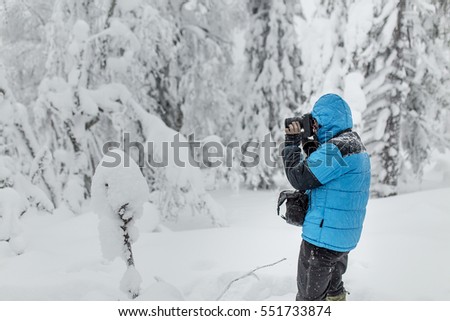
(306, 122)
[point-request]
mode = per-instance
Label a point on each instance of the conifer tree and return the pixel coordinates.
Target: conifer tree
(383, 63)
(427, 104)
(274, 82)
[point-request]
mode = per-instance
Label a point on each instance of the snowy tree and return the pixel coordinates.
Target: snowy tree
(176, 184)
(388, 59)
(331, 37)
(428, 102)
(405, 70)
(321, 35)
(154, 75)
(86, 109)
(188, 52)
(19, 149)
(206, 62)
(65, 103)
(118, 195)
(382, 62)
(73, 67)
(273, 78)
(174, 61)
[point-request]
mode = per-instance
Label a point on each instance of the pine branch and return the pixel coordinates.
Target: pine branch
(68, 124)
(247, 275)
(92, 122)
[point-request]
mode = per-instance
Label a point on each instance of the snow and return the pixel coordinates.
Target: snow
(118, 65)
(181, 193)
(381, 124)
(436, 174)
(12, 205)
(321, 53)
(35, 196)
(355, 96)
(57, 92)
(131, 281)
(6, 110)
(388, 30)
(42, 159)
(150, 222)
(403, 255)
(308, 8)
(87, 104)
(160, 290)
(5, 175)
(72, 194)
(360, 20)
(193, 243)
(128, 5)
(81, 31)
(119, 29)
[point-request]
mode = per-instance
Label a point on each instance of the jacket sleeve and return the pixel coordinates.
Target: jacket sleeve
(327, 163)
(297, 170)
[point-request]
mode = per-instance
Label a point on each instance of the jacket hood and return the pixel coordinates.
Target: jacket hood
(333, 116)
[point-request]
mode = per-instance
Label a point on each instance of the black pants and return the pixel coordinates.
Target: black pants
(319, 272)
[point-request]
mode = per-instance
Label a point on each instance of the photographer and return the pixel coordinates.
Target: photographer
(336, 176)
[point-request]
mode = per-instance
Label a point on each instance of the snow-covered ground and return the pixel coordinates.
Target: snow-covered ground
(404, 254)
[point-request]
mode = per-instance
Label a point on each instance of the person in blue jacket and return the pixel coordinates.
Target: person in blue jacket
(337, 178)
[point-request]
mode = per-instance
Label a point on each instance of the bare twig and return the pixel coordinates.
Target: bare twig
(251, 273)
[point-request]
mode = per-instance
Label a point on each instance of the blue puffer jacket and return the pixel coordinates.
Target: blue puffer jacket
(337, 176)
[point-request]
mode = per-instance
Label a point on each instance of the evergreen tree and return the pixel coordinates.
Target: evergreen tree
(428, 101)
(274, 82)
(65, 103)
(389, 59)
(321, 39)
(383, 64)
(19, 149)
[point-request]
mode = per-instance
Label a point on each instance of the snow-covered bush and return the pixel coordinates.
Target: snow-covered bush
(23, 163)
(12, 206)
(91, 99)
(118, 195)
(178, 191)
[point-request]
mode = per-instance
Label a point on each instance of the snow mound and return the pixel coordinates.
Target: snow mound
(12, 205)
(160, 290)
(131, 281)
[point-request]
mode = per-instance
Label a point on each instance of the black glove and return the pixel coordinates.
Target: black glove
(295, 139)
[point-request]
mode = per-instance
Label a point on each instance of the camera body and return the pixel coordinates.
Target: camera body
(306, 122)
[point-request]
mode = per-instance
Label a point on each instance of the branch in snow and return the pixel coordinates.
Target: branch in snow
(251, 273)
